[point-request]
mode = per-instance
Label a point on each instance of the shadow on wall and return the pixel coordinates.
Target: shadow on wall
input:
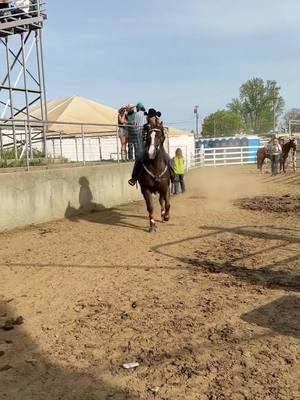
(85, 200)
(97, 213)
(27, 374)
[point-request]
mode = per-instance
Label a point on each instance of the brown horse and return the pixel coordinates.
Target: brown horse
(155, 175)
(262, 154)
(290, 145)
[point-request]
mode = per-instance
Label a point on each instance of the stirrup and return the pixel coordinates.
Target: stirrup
(132, 182)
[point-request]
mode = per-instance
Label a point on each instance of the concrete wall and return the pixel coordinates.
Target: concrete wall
(40, 196)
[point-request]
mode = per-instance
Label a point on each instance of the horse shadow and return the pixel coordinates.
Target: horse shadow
(93, 212)
(27, 372)
(281, 315)
(264, 275)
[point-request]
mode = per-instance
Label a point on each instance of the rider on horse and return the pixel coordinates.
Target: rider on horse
(152, 122)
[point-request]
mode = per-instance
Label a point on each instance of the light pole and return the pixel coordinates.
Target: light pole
(196, 112)
(275, 91)
(274, 114)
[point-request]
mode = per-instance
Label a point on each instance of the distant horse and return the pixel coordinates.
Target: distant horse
(155, 176)
(262, 154)
(291, 144)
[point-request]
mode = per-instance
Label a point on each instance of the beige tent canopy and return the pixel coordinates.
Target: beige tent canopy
(77, 109)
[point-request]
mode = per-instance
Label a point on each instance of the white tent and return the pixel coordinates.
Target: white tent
(78, 110)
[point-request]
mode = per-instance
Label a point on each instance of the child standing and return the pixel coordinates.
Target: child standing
(179, 168)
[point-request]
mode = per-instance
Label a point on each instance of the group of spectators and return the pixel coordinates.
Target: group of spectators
(11, 7)
(131, 120)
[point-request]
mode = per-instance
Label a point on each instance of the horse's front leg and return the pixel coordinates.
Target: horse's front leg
(164, 201)
(281, 168)
(149, 202)
(162, 207)
(261, 163)
(283, 161)
(294, 162)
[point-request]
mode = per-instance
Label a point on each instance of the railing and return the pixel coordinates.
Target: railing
(26, 143)
(52, 141)
(211, 157)
(10, 12)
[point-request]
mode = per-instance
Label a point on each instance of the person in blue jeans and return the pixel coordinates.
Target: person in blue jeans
(179, 169)
(276, 153)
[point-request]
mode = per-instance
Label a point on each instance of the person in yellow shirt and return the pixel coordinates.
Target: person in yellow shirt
(179, 168)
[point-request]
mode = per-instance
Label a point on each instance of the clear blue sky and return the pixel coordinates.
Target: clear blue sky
(171, 54)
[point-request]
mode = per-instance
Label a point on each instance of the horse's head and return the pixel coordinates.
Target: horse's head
(154, 141)
(293, 144)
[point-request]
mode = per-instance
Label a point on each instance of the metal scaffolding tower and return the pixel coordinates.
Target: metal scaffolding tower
(22, 77)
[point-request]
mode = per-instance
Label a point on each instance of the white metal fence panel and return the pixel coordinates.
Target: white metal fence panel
(88, 149)
(211, 157)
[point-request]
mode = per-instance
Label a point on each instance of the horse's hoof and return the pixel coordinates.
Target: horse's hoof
(166, 218)
(152, 229)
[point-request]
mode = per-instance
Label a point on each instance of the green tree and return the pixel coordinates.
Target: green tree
(259, 105)
(292, 114)
(221, 123)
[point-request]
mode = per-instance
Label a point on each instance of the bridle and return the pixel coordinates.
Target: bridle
(156, 130)
(157, 178)
(160, 142)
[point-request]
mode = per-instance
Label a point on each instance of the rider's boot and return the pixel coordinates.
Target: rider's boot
(172, 173)
(135, 173)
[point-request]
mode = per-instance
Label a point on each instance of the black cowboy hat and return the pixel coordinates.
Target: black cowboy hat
(153, 113)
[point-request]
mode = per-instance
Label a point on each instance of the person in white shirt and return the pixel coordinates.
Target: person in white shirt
(276, 152)
(22, 6)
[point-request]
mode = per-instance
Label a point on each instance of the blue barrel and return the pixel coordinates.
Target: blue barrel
(254, 145)
(232, 142)
(197, 144)
(244, 142)
(223, 143)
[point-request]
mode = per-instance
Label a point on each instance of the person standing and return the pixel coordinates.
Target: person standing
(139, 122)
(179, 168)
(276, 152)
(21, 6)
(131, 130)
(123, 134)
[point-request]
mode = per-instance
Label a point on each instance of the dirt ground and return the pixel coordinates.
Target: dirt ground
(208, 306)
